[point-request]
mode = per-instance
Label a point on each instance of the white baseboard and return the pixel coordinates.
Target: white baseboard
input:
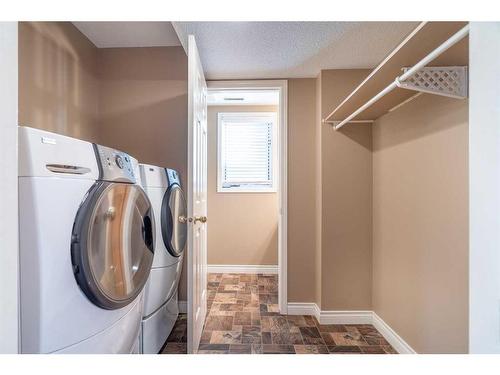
(397, 342)
(345, 317)
(183, 307)
(239, 268)
(307, 308)
(352, 317)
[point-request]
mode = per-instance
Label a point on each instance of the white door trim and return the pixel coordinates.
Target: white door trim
(9, 251)
(282, 86)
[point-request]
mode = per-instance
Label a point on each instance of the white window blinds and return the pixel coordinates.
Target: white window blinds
(246, 151)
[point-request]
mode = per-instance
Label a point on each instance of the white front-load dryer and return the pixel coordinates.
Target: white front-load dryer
(86, 246)
(161, 309)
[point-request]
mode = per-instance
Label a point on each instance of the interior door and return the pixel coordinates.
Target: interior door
(197, 197)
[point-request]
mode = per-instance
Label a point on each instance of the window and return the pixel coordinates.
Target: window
(246, 152)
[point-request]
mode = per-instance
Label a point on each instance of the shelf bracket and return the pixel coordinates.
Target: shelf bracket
(450, 81)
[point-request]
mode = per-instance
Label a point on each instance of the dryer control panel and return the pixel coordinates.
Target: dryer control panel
(173, 177)
(114, 165)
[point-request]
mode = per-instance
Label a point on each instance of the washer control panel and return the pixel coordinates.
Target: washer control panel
(114, 165)
(173, 177)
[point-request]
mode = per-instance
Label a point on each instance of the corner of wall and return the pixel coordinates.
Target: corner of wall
(318, 202)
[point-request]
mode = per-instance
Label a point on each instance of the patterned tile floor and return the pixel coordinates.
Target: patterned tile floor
(243, 318)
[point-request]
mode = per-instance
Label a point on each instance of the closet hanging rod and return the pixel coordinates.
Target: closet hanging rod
(454, 39)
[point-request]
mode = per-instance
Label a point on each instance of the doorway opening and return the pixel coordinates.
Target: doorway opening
(247, 189)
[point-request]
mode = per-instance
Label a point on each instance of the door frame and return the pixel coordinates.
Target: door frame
(9, 238)
(282, 87)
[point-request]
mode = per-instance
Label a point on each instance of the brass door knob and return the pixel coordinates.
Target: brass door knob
(201, 219)
(184, 219)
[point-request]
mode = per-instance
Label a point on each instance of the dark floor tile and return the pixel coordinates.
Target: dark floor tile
(267, 313)
(205, 337)
(375, 339)
(224, 347)
(251, 306)
(244, 297)
(245, 278)
(296, 320)
(175, 348)
(331, 328)
(310, 320)
(311, 336)
(229, 280)
(278, 349)
(227, 297)
(327, 338)
(242, 318)
(344, 349)
(266, 338)
(212, 277)
(240, 349)
(389, 349)
(366, 329)
(251, 335)
(268, 298)
(213, 351)
(178, 334)
(212, 285)
(311, 349)
(225, 337)
(231, 307)
(257, 349)
(256, 319)
(211, 295)
(352, 338)
(372, 349)
(286, 337)
(273, 307)
(273, 323)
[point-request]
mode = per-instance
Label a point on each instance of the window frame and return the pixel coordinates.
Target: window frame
(248, 188)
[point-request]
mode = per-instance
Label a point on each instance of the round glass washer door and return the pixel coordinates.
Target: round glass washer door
(113, 244)
(174, 232)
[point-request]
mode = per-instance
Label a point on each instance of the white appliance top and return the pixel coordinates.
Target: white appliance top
(46, 154)
(153, 176)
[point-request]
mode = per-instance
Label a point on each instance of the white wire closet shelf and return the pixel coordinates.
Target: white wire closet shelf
(433, 58)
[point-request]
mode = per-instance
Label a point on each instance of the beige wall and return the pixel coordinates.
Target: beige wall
(243, 226)
(143, 104)
(329, 202)
(133, 99)
(58, 86)
(420, 223)
(143, 108)
(302, 218)
(346, 190)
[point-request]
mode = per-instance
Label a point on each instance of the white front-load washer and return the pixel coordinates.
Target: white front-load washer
(163, 188)
(86, 246)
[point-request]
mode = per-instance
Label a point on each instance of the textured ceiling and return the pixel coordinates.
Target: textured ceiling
(129, 34)
(251, 50)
